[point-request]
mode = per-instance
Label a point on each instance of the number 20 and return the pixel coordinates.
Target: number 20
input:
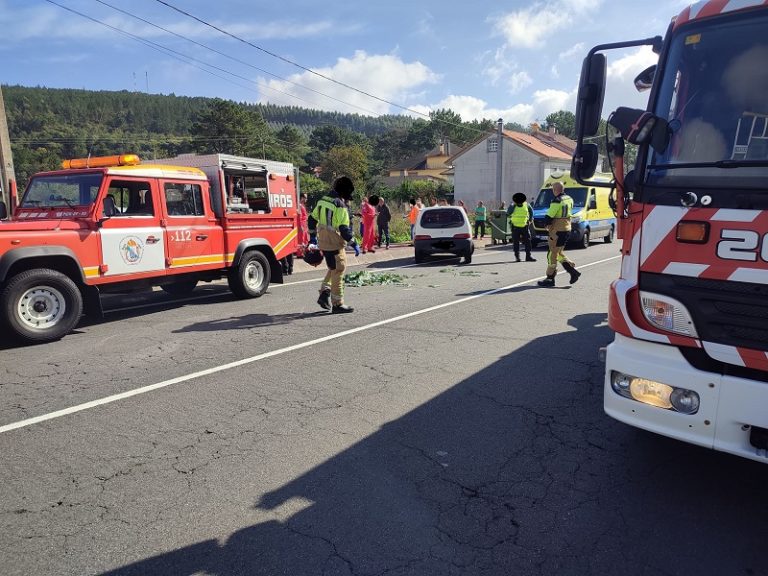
(742, 245)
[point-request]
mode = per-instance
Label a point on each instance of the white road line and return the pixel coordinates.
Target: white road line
(264, 356)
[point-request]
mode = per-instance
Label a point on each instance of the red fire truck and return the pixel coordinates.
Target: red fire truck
(690, 308)
(114, 224)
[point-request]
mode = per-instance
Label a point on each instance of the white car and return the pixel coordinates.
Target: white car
(443, 230)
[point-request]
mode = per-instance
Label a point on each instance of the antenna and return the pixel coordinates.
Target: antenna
(146, 77)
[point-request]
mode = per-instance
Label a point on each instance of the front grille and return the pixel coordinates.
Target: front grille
(724, 312)
(539, 223)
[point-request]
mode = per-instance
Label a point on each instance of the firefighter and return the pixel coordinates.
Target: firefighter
(558, 221)
(520, 215)
(330, 229)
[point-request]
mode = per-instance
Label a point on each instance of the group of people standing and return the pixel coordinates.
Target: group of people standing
(329, 228)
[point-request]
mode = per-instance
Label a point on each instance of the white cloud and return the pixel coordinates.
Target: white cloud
(530, 27)
(518, 81)
(576, 50)
(620, 87)
(385, 76)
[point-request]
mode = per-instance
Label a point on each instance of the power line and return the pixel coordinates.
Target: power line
(309, 70)
(243, 62)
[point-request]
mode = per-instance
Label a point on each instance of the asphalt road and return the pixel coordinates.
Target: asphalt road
(451, 425)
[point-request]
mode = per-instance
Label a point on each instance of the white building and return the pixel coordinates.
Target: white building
(526, 162)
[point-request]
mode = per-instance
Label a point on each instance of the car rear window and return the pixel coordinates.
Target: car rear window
(442, 218)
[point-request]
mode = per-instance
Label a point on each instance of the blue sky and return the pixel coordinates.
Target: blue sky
(483, 59)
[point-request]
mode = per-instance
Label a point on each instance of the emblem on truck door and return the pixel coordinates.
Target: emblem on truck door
(131, 249)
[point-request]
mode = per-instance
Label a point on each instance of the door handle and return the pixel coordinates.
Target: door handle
(152, 240)
(201, 237)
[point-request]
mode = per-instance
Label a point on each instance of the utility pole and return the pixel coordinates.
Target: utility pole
(499, 161)
(7, 174)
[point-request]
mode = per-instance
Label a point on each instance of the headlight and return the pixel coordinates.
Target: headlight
(667, 313)
(576, 218)
(655, 393)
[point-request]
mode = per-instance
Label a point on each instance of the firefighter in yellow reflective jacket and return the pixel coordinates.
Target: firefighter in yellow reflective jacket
(330, 229)
(558, 220)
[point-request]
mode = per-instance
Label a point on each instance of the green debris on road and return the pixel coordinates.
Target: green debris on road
(366, 278)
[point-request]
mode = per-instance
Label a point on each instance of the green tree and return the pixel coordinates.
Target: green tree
(349, 161)
(564, 121)
(226, 127)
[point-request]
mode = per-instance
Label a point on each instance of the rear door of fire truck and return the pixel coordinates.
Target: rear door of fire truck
(132, 239)
(195, 239)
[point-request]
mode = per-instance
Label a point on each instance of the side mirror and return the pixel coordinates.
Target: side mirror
(584, 162)
(3, 211)
(641, 127)
(589, 102)
(644, 80)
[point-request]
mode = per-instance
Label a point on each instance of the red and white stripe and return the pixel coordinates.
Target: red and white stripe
(711, 8)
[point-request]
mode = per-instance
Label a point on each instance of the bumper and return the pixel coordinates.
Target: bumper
(457, 246)
(729, 406)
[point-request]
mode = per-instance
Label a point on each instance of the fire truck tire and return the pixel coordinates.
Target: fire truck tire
(41, 305)
(180, 287)
(250, 278)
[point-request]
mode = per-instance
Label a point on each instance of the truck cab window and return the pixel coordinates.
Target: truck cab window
(131, 198)
(184, 199)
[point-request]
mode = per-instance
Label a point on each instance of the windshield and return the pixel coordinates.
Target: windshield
(62, 190)
(714, 93)
(579, 196)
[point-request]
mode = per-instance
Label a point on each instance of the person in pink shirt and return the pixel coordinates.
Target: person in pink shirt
(302, 228)
(368, 214)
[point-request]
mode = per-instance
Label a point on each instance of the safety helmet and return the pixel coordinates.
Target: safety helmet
(313, 257)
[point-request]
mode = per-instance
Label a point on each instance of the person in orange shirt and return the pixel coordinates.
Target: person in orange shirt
(413, 215)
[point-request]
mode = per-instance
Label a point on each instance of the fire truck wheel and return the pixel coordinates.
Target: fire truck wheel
(180, 287)
(250, 279)
(41, 305)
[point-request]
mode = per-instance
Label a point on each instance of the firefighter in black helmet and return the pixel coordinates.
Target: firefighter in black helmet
(329, 228)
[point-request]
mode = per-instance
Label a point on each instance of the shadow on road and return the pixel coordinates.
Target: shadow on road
(514, 470)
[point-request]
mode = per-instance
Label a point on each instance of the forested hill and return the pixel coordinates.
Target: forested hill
(160, 114)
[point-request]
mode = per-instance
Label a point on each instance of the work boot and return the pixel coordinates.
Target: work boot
(572, 271)
(517, 257)
(529, 258)
(548, 282)
(341, 309)
(325, 299)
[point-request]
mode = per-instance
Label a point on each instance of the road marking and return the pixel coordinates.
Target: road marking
(264, 356)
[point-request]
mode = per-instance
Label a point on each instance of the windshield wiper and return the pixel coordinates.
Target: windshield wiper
(725, 164)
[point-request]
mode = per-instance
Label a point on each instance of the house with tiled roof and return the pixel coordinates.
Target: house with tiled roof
(526, 162)
(432, 165)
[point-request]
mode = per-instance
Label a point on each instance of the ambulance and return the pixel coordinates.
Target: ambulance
(116, 224)
(593, 217)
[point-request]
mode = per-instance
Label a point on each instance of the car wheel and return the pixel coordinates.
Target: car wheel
(418, 257)
(468, 257)
(250, 278)
(611, 235)
(41, 305)
(585, 240)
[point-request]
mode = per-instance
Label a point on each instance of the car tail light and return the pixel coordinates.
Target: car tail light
(464, 235)
(422, 237)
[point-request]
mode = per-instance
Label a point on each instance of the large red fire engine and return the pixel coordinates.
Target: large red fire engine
(114, 224)
(690, 308)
